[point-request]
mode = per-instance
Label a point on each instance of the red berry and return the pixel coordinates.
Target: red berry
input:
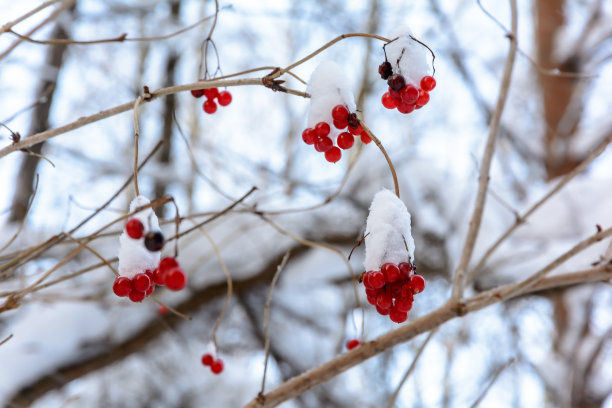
(405, 107)
(423, 99)
(197, 93)
(137, 296)
(382, 311)
(405, 270)
(352, 343)
(149, 273)
(418, 283)
(122, 286)
(340, 124)
(356, 131)
(211, 93)
(372, 300)
(176, 279)
(224, 98)
(207, 359)
(167, 263)
(340, 113)
(333, 155)
(390, 271)
(428, 83)
(398, 316)
(396, 82)
(322, 129)
(395, 289)
(365, 138)
(309, 136)
(384, 301)
(323, 144)
(210, 106)
(151, 289)
(159, 277)
(217, 366)
(377, 279)
(345, 140)
(134, 228)
(395, 95)
(407, 290)
(388, 102)
(366, 281)
(409, 94)
(162, 310)
(403, 305)
(141, 282)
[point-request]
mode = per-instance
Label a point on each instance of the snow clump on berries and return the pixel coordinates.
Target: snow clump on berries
(408, 58)
(328, 87)
(388, 232)
(134, 258)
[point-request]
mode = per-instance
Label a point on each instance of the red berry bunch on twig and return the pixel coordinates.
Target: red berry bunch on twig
(215, 364)
(391, 289)
(223, 98)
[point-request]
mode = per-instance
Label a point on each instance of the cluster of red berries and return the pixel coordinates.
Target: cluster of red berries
(153, 240)
(224, 98)
(215, 364)
(405, 97)
(319, 136)
(392, 289)
(168, 273)
(352, 343)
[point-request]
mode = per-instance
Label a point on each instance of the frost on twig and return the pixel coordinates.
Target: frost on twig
(388, 232)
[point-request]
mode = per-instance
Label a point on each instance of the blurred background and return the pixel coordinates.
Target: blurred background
(75, 344)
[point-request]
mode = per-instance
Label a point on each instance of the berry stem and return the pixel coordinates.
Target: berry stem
(384, 152)
(136, 134)
(279, 268)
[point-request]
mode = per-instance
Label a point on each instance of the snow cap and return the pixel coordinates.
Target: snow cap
(133, 256)
(387, 226)
(407, 57)
(328, 87)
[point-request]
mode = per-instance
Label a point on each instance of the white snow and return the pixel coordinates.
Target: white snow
(407, 57)
(387, 227)
(133, 256)
(328, 87)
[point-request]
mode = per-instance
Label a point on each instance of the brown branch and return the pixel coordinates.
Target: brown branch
(483, 178)
(6, 27)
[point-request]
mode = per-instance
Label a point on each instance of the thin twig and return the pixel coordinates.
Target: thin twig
(485, 166)
(495, 377)
(10, 336)
(25, 217)
(384, 152)
(280, 267)
(393, 398)
(136, 135)
(6, 27)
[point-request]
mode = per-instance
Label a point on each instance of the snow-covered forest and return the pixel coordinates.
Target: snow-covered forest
(371, 203)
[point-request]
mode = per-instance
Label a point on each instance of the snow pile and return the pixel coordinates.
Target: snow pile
(134, 257)
(328, 87)
(388, 232)
(408, 58)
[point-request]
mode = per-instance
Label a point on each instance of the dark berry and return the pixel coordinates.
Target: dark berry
(137, 296)
(418, 283)
(345, 140)
(352, 121)
(217, 366)
(340, 124)
(390, 271)
(141, 282)
(428, 83)
(207, 359)
(352, 343)
(388, 102)
(211, 93)
(210, 106)
(322, 129)
(197, 93)
(333, 155)
(377, 279)
(154, 241)
(409, 94)
(134, 228)
(224, 98)
(396, 82)
(176, 279)
(309, 136)
(398, 316)
(323, 144)
(122, 286)
(385, 70)
(340, 113)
